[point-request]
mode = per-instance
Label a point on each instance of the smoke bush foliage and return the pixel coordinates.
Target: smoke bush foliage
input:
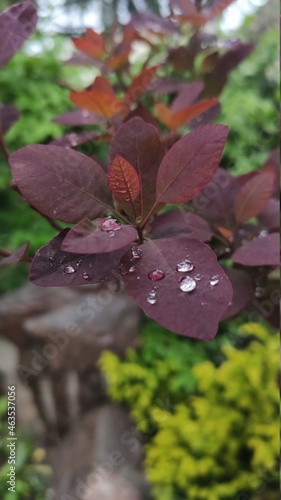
(189, 242)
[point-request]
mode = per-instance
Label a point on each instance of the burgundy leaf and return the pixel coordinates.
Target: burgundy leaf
(124, 181)
(8, 116)
(194, 160)
(87, 237)
(169, 85)
(139, 85)
(195, 314)
(75, 139)
(187, 96)
(142, 112)
(217, 78)
(243, 292)
(17, 23)
(139, 143)
(253, 196)
(78, 118)
(18, 255)
(215, 203)
(176, 222)
(152, 22)
(270, 217)
(206, 117)
(262, 251)
(52, 266)
(61, 183)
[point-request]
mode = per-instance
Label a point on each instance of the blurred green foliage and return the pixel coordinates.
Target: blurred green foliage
(32, 474)
(250, 107)
(31, 83)
(214, 423)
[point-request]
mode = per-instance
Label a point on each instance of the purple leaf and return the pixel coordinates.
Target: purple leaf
(8, 116)
(61, 183)
(195, 158)
(176, 222)
(206, 117)
(270, 217)
(78, 118)
(263, 251)
(253, 196)
(152, 22)
(243, 292)
(195, 314)
(215, 203)
(217, 78)
(139, 143)
(52, 266)
(142, 112)
(87, 237)
(167, 85)
(187, 96)
(75, 139)
(17, 23)
(18, 255)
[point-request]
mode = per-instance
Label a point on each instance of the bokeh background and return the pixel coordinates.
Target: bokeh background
(194, 420)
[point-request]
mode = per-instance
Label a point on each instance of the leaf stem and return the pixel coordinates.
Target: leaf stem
(143, 224)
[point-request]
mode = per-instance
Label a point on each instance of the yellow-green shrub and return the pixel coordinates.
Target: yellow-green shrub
(221, 442)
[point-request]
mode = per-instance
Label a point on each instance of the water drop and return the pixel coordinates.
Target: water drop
(52, 259)
(136, 253)
(156, 275)
(69, 270)
(263, 233)
(90, 265)
(214, 280)
(109, 224)
(151, 299)
(185, 266)
(111, 234)
(78, 262)
(132, 269)
(187, 284)
(85, 276)
(198, 277)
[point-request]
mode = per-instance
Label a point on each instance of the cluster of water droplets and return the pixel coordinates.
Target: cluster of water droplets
(110, 226)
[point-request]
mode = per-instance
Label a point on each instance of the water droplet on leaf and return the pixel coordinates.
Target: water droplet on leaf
(136, 253)
(111, 234)
(52, 259)
(185, 266)
(156, 275)
(151, 299)
(109, 224)
(187, 284)
(198, 277)
(69, 270)
(132, 269)
(214, 280)
(85, 276)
